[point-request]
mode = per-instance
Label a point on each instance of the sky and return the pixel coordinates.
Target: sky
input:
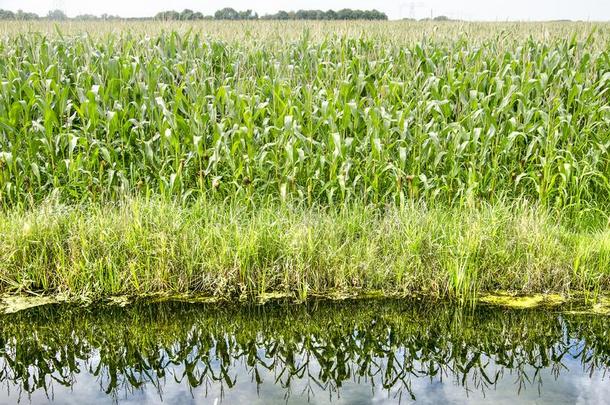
(489, 10)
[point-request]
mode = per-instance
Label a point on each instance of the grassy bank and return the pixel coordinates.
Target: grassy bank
(139, 247)
(303, 159)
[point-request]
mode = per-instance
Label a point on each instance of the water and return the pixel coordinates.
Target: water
(364, 352)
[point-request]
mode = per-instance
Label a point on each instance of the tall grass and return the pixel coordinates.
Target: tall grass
(141, 247)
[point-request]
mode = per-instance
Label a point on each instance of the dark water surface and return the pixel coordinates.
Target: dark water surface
(361, 352)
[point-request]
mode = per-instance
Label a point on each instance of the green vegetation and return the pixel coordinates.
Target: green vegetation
(243, 159)
(226, 13)
(229, 251)
(335, 121)
(19, 15)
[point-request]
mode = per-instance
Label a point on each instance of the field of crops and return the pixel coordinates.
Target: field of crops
(321, 116)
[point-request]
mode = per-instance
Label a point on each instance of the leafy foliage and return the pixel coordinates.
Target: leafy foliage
(333, 120)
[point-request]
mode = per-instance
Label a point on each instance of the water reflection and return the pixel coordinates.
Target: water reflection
(358, 352)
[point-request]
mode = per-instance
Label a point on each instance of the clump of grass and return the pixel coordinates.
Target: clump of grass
(141, 247)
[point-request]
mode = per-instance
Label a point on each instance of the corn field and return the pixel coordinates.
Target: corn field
(467, 113)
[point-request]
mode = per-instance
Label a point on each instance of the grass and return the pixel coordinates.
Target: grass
(255, 158)
(143, 247)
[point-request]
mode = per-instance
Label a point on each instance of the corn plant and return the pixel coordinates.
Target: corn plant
(323, 118)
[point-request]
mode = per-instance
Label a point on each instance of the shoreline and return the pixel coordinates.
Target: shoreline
(335, 160)
(577, 304)
(224, 251)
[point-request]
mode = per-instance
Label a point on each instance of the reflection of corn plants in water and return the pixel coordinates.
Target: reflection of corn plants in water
(321, 347)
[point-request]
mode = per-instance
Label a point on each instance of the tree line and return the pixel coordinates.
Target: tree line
(344, 14)
(19, 15)
(223, 14)
(56, 15)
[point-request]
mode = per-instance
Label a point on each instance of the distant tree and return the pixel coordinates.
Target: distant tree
(167, 15)
(441, 18)
(282, 15)
(6, 15)
(359, 15)
(372, 15)
(115, 17)
(345, 14)
(226, 13)
(86, 17)
(330, 15)
(21, 15)
(314, 15)
(186, 14)
(246, 15)
(223, 14)
(57, 15)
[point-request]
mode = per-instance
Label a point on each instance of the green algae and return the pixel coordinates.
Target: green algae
(12, 304)
(602, 307)
(569, 305)
(575, 305)
(523, 301)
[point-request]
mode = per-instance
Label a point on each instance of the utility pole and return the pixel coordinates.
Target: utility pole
(412, 6)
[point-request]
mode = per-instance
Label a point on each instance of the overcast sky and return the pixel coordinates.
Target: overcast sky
(594, 10)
